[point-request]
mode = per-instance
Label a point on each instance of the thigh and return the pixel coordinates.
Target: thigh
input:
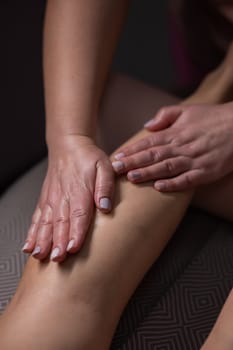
(127, 104)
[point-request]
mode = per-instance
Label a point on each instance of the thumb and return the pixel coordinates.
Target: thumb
(104, 186)
(165, 117)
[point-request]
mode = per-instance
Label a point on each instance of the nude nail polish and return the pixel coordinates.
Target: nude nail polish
(105, 203)
(119, 155)
(118, 165)
(25, 247)
(36, 251)
(134, 175)
(55, 253)
(70, 245)
(149, 123)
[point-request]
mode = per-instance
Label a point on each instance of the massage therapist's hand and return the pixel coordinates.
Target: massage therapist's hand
(79, 174)
(188, 146)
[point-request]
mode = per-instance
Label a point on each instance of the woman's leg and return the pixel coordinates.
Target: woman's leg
(129, 103)
(221, 336)
(77, 304)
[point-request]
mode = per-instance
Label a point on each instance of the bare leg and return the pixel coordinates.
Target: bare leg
(77, 304)
(128, 104)
(221, 335)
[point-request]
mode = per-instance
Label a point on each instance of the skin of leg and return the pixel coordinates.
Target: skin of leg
(77, 304)
(134, 103)
(54, 301)
(221, 335)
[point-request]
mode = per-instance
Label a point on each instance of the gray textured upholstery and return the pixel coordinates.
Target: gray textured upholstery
(16, 207)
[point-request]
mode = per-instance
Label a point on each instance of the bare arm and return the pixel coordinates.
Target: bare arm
(79, 41)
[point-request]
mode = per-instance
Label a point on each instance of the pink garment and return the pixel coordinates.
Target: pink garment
(187, 73)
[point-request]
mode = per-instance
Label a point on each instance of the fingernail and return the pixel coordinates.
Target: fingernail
(55, 253)
(36, 251)
(149, 123)
(119, 155)
(25, 247)
(134, 175)
(70, 245)
(160, 186)
(105, 203)
(118, 165)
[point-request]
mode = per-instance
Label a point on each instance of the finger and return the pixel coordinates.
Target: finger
(185, 181)
(144, 158)
(32, 232)
(31, 236)
(104, 187)
(81, 211)
(165, 117)
(155, 139)
(60, 231)
(44, 233)
(165, 169)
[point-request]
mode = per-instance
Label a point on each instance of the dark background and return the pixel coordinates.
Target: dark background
(143, 52)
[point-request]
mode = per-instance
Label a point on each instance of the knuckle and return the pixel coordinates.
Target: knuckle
(78, 213)
(173, 185)
(190, 149)
(170, 166)
(100, 188)
(188, 180)
(49, 204)
(106, 186)
(31, 233)
(142, 144)
(60, 220)
(36, 216)
(34, 220)
(146, 142)
(45, 222)
(179, 137)
(151, 155)
(101, 163)
(176, 141)
(150, 141)
(124, 150)
(157, 155)
(143, 173)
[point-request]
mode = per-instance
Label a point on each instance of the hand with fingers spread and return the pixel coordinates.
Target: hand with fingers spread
(79, 175)
(188, 146)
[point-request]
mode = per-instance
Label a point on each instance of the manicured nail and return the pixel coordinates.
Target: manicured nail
(55, 253)
(149, 123)
(70, 245)
(118, 165)
(36, 251)
(160, 186)
(119, 155)
(25, 247)
(105, 203)
(134, 175)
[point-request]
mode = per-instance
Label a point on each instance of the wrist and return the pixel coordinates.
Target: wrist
(62, 143)
(56, 137)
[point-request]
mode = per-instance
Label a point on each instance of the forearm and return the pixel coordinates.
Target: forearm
(79, 41)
